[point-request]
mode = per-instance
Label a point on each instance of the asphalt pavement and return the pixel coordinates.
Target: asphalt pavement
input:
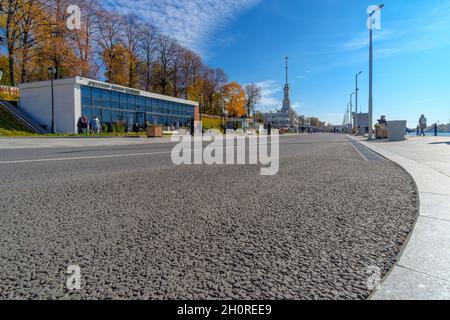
(141, 227)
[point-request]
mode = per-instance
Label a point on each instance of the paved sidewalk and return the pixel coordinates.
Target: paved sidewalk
(423, 271)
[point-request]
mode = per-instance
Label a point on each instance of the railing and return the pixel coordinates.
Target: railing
(29, 123)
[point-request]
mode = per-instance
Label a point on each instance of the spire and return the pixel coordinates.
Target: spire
(287, 61)
(287, 100)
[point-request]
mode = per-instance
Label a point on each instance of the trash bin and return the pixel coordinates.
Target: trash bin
(396, 130)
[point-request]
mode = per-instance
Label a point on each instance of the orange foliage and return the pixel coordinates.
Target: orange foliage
(234, 97)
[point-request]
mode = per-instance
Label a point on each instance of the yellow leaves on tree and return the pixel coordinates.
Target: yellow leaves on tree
(234, 97)
(195, 90)
(115, 62)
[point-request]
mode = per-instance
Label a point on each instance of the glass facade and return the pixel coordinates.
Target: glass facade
(132, 111)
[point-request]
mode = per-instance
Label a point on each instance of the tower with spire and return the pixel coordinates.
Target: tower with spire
(286, 117)
(287, 107)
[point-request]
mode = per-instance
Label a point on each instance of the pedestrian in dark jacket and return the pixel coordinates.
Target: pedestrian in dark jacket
(423, 125)
(80, 125)
(85, 125)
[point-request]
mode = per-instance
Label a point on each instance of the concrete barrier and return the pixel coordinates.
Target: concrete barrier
(396, 130)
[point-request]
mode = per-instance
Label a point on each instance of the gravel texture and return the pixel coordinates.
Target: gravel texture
(141, 228)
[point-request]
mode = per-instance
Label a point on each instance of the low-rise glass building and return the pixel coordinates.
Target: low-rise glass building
(113, 105)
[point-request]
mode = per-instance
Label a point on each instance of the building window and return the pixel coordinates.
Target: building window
(131, 102)
(123, 101)
(86, 111)
(112, 107)
(148, 105)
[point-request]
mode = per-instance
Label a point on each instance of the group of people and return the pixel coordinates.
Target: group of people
(85, 126)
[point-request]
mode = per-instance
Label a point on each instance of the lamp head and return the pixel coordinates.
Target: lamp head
(381, 6)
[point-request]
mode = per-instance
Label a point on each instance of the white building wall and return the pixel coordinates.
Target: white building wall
(36, 101)
(77, 109)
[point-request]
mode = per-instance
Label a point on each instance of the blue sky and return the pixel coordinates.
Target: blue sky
(327, 42)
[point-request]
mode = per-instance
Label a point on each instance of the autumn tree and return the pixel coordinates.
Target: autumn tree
(234, 98)
(83, 38)
(176, 66)
(12, 11)
(118, 71)
(148, 45)
(131, 52)
(190, 71)
(54, 48)
(214, 80)
(315, 122)
(4, 63)
(131, 42)
(195, 90)
(30, 10)
(259, 117)
(166, 53)
(252, 96)
(109, 26)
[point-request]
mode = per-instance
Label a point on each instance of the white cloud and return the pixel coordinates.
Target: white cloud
(193, 22)
(409, 35)
(361, 40)
(270, 92)
(272, 97)
(297, 106)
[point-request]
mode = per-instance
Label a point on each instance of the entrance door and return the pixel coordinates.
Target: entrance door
(130, 121)
(141, 119)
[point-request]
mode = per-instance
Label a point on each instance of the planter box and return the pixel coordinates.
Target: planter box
(396, 130)
(155, 132)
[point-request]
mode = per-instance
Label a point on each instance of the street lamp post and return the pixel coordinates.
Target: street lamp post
(356, 101)
(371, 72)
(347, 118)
(52, 72)
(351, 110)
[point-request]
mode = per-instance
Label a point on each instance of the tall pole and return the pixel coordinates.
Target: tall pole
(351, 110)
(356, 106)
(52, 72)
(356, 101)
(53, 106)
(370, 83)
(371, 71)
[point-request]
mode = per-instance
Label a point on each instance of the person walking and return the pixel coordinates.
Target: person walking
(423, 125)
(96, 126)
